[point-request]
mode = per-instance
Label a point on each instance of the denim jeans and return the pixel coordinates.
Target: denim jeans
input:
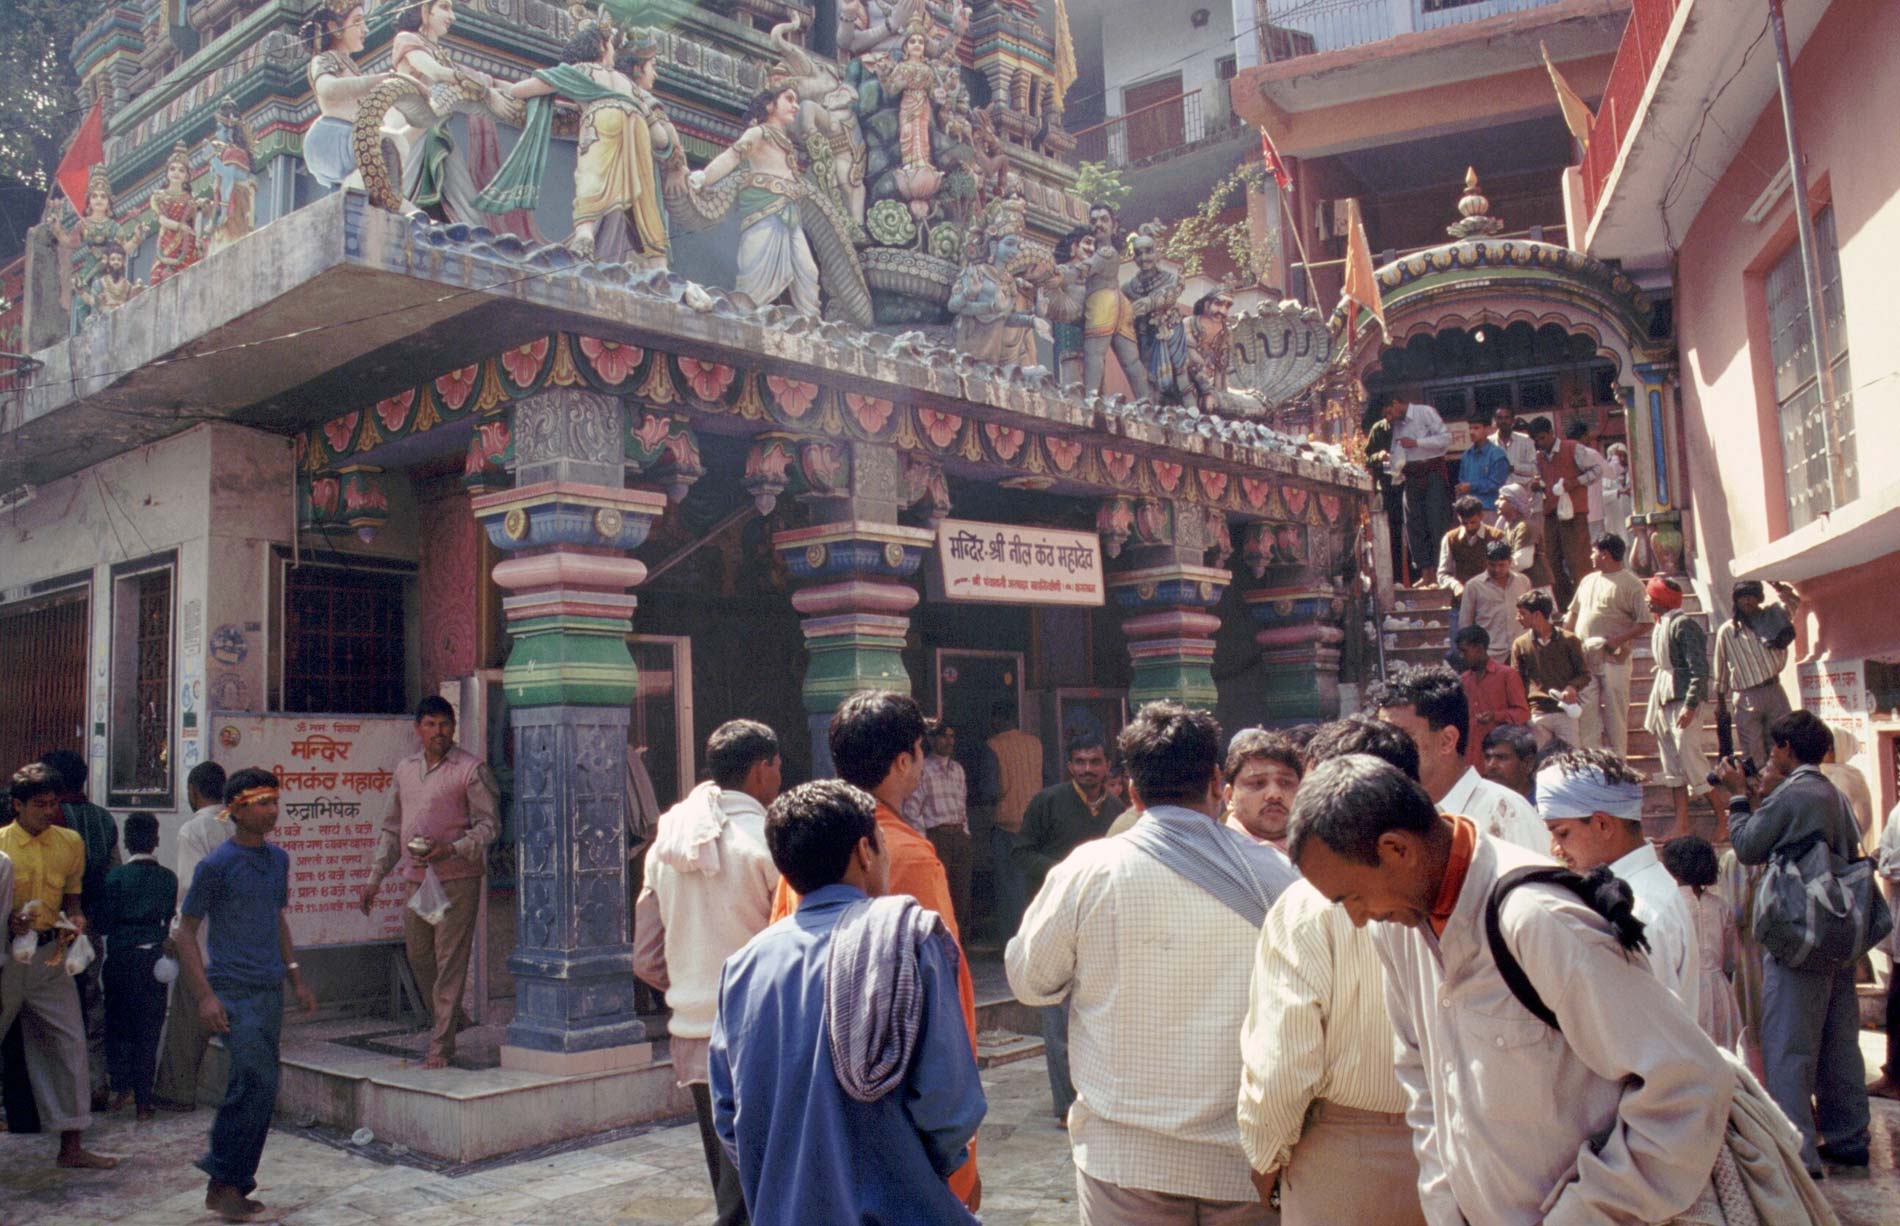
(250, 1096)
(1055, 1050)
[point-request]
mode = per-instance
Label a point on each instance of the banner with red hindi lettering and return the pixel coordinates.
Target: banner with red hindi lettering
(336, 777)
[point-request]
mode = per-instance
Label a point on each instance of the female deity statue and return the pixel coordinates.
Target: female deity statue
(919, 88)
(627, 145)
(435, 174)
(91, 238)
(334, 34)
(175, 211)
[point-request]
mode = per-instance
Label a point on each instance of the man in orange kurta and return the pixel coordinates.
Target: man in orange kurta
(877, 743)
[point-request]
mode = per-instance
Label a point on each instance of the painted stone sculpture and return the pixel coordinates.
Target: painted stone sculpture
(334, 34)
(91, 239)
(175, 213)
(1108, 318)
(827, 118)
(627, 150)
(1154, 295)
(993, 299)
(233, 188)
(435, 174)
(111, 289)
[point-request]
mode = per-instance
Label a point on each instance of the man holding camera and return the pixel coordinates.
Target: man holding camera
(1751, 649)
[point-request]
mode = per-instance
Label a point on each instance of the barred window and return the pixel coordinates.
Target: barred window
(141, 722)
(1808, 424)
(43, 644)
(343, 640)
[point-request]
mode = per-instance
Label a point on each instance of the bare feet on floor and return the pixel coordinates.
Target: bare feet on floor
(76, 1159)
(1886, 1087)
(435, 1061)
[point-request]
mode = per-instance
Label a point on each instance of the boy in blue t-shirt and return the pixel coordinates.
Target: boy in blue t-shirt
(240, 890)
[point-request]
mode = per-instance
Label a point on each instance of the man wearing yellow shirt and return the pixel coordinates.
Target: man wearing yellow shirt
(49, 865)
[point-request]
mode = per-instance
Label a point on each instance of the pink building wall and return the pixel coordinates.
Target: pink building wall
(1845, 80)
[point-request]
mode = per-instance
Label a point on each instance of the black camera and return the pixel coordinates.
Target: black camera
(1748, 771)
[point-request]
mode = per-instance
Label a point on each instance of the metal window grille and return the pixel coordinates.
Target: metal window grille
(1806, 421)
(343, 641)
(43, 655)
(152, 682)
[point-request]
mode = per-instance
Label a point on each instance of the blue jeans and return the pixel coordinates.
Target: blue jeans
(1810, 1051)
(250, 1096)
(1009, 884)
(1055, 1051)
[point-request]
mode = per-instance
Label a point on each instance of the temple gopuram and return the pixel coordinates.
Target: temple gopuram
(615, 371)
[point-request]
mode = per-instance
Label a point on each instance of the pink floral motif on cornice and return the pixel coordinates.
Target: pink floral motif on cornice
(611, 360)
(454, 388)
(1168, 475)
(939, 427)
(1119, 465)
(1064, 453)
(795, 397)
(394, 411)
(870, 412)
(1213, 483)
(1006, 441)
(523, 363)
(338, 431)
(709, 380)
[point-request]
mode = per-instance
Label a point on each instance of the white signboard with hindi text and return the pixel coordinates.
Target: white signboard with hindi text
(336, 775)
(1008, 564)
(1836, 692)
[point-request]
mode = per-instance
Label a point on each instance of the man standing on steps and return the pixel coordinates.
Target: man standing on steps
(185, 1037)
(1550, 659)
(1428, 704)
(1674, 717)
(1609, 612)
(1516, 445)
(1490, 603)
(708, 890)
(1593, 804)
(1565, 471)
(1417, 457)
(1494, 692)
(1058, 820)
(1463, 551)
(1751, 649)
(444, 796)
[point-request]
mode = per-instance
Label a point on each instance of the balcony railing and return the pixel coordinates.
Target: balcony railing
(1155, 131)
(1290, 28)
(1623, 93)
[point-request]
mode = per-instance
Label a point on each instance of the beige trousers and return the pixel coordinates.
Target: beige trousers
(1351, 1166)
(1606, 708)
(1107, 1204)
(47, 1003)
(438, 956)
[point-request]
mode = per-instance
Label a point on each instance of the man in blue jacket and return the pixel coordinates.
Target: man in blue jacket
(859, 1112)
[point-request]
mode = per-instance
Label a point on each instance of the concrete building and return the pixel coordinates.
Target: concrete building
(346, 458)
(1687, 177)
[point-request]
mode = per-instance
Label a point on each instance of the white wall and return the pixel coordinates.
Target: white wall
(1144, 41)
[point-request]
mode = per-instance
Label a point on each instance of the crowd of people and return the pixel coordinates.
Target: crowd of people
(1326, 974)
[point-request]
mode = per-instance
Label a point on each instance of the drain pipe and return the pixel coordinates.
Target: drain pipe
(1810, 254)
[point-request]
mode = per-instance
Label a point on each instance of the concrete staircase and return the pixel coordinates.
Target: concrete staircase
(1417, 631)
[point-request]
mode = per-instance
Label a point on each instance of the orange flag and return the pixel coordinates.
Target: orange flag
(1577, 116)
(1361, 291)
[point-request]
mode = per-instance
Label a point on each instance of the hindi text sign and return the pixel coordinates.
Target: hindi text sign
(337, 779)
(1007, 564)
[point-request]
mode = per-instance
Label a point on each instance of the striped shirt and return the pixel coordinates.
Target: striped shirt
(1316, 1026)
(1742, 660)
(939, 798)
(1155, 972)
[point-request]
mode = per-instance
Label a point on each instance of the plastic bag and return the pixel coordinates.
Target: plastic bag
(165, 970)
(430, 901)
(1566, 509)
(79, 954)
(27, 943)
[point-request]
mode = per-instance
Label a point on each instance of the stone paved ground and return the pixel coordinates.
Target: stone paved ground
(657, 1177)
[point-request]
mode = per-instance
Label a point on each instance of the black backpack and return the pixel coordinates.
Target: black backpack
(1599, 889)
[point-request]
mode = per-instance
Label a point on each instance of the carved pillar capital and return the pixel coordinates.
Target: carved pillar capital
(1167, 616)
(569, 434)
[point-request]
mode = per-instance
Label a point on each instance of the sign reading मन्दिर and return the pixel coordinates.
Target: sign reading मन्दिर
(1009, 564)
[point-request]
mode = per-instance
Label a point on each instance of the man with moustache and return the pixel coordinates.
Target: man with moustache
(1263, 773)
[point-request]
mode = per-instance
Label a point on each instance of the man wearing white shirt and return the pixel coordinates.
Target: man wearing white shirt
(1517, 445)
(1419, 443)
(176, 1083)
(1430, 706)
(1590, 457)
(1593, 805)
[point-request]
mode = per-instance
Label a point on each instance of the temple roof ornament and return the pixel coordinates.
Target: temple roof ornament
(1473, 208)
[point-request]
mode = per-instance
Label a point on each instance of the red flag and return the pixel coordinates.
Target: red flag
(87, 150)
(1275, 166)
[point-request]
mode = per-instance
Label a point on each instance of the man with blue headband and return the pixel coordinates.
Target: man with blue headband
(1593, 804)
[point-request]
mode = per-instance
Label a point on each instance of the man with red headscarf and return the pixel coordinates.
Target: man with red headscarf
(1680, 649)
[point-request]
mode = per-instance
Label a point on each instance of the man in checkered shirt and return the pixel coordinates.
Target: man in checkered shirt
(939, 808)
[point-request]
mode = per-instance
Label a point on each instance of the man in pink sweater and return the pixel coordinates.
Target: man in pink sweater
(709, 886)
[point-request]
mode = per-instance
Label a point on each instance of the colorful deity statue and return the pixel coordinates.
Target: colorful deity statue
(1064, 295)
(231, 170)
(994, 296)
(111, 289)
(827, 117)
(334, 34)
(175, 212)
(1108, 321)
(627, 152)
(1154, 296)
(90, 239)
(435, 173)
(919, 88)
(1211, 360)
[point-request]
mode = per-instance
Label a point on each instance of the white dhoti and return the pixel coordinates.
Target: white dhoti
(774, 256)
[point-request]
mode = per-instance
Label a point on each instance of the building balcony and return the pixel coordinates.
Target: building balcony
(1290, 28)
(1159, 131)
(1688, 75)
